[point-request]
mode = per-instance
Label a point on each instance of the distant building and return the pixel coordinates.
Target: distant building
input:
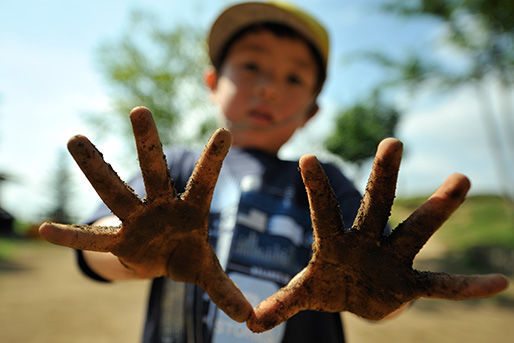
(6, 223)
(6, 219)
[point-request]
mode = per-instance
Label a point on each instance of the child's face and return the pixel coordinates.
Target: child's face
(265, 89)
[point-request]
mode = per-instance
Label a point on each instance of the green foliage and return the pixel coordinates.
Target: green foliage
(497, 14)
(478, 238)
(482, 33)
(7, 248)
(483, 30)
(438, 8)
(480, 221)
(483, 221)
(360, 128)
(156, 67)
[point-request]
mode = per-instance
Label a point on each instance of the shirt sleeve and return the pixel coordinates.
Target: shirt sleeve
(84, 267)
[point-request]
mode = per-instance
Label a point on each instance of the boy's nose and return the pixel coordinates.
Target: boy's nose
(268, 88)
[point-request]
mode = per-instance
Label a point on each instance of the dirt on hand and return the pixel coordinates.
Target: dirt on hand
(165, 234)
(360, 270)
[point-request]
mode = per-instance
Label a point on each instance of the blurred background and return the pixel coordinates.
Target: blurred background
(437, 74)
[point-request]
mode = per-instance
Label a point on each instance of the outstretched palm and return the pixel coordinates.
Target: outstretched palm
(359, 269)
(164, 234)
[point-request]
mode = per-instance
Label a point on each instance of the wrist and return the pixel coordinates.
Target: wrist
(130, 270)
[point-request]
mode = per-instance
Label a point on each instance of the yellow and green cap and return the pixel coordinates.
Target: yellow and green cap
(239, 16)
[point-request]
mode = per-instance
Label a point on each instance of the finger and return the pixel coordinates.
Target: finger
(461, 287)
(224, 293)
(83, 237)
(201, 184)
(279, 307)
(410, 236)
(114, 192)
(324, 207)
(377, 201)
(151, 157)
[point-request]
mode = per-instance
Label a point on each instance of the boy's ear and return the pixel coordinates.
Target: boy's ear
(210, 78)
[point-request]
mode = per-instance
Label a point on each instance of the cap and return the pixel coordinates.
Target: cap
(237, 17)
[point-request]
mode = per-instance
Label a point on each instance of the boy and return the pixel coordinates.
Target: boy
(269, 63)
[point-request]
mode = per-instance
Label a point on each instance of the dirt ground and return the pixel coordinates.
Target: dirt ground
(44, 298)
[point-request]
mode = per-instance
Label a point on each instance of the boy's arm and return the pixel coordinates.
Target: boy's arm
(105, 264)
(359, 269)
(164, 234)
(108, 266)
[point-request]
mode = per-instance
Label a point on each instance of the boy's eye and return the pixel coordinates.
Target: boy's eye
(294, 79)
(251, 66)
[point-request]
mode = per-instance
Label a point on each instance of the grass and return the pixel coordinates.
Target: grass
(7, 248)
(9, 243)
(478, 238)
(480, 221)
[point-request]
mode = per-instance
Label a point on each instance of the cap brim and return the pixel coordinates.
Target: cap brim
(239, 16)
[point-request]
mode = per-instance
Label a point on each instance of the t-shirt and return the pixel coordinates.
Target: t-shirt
(260, 228)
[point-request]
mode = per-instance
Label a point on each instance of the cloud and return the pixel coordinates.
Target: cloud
(448, 136)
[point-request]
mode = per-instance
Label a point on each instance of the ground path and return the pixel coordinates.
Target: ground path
(44, 298)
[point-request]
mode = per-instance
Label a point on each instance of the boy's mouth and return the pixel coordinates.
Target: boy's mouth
(260, 117)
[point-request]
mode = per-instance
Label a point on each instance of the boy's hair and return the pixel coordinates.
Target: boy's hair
(282, 19)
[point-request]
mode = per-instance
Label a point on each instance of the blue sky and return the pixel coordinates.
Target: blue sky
(49, 79)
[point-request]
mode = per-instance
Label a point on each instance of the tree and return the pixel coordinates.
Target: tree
(160, 68)
(483, 33)
(359, 128)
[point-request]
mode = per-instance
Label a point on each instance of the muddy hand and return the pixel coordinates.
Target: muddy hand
(164, 234)
(360, 270)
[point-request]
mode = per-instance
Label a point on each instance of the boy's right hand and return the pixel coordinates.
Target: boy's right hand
(164, 234)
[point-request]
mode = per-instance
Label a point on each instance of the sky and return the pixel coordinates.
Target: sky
(49, 80)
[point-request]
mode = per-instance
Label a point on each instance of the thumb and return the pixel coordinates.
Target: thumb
(83, 237)
(224, 293)
(279, 307)
(462, 287)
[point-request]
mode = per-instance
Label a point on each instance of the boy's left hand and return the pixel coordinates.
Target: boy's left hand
(359, 269)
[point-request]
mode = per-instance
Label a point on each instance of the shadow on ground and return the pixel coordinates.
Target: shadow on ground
(9, 266)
